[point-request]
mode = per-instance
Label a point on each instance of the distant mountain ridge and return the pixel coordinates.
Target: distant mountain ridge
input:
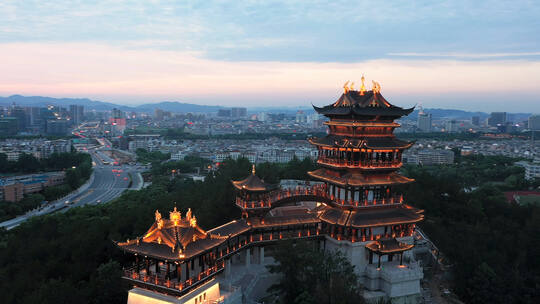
(181, 107)
(40, 101)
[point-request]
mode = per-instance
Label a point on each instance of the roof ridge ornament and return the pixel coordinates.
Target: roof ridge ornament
(345, 87)
(363, 87)
(253, 169)
(175, 216)
(188, 214)
(376, 87)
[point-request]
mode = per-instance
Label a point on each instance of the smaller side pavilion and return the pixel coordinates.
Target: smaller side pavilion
(389, 247)
(175, 254)
(253, 194)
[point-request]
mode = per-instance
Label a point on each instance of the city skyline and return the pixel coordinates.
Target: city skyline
(461, 55)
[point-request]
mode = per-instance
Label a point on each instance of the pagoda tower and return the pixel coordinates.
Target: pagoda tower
(359, 161)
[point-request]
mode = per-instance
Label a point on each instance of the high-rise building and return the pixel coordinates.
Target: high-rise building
(475, 120)
(158, 114)
(20, 114)
(117, 113)
(497, 118)
(224, 113)
(34, 116)
(76, 113)
(117, 122)
(534, 122)
(301, 117)
(424, 123)
(238, 112)
(58, 127)
(263, 116)
(452, 126)
(8, 126)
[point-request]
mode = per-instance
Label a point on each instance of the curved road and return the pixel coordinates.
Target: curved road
(105, 186)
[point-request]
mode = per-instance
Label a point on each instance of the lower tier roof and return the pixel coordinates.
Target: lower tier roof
(164, 252)
(388, 246)
(217, 236)
(372, 217)
(359, 179)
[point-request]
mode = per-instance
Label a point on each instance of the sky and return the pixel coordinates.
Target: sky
(470, 55)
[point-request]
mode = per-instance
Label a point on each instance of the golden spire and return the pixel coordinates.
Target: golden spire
(363, 87)
(253, 169)
(175, 216)
(351, 87)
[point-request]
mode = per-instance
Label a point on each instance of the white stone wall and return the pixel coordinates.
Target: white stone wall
(400, 283)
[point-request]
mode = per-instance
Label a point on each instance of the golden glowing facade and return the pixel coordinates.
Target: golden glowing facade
(359, 160)
(359, 201)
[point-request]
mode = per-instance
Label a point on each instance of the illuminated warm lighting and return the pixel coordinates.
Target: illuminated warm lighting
(345, 87)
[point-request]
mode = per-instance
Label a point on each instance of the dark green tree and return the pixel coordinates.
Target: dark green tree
(312, 275)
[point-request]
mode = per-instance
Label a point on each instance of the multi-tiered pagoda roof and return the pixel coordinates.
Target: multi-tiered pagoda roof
(360, 159)
(176, 238)
(357, 103)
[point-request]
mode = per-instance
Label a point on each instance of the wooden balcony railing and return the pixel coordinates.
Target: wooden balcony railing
(320, 191)
(374, 164)
(157, 280)
(267, 200)
(160, 280)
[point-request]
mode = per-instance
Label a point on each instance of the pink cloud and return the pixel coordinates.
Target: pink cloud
(142, 75)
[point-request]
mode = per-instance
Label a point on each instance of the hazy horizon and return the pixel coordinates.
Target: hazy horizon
(290, 107)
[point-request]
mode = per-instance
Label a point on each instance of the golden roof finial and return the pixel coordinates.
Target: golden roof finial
(345, 87)
(193, 222)
(175, 216)
(253, 169)
(188, 214)
(351, 87)
(363, 87)
(376, 87)
(158, 216)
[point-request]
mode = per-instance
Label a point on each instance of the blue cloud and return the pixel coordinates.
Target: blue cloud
(285, 30)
